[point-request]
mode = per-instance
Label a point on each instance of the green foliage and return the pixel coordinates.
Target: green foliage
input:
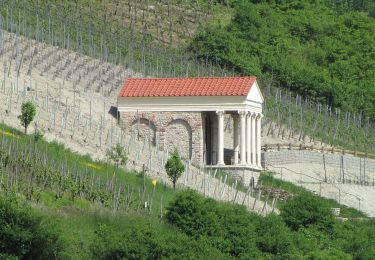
(23, 234)
(356, 238)
(301, 45)
(228, 228)
(305, 211)
(332, 254)
(118, 155)
(28, 112)
(143, 240)
(274, 237)
(239, 234)
(174, 168)
(38, 135)
(196, 228)
(349, 5)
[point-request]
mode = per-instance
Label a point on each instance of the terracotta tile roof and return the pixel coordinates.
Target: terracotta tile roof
(175, 87)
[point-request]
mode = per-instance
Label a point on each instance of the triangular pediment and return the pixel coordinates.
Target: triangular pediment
(255, 95)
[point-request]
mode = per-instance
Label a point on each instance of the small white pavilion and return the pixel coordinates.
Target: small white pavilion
(189, 114)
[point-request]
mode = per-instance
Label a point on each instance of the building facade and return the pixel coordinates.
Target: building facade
(188, 114)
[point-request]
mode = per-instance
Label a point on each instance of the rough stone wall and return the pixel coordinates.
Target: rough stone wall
(145, 129)
(178, 135)
(169, 130)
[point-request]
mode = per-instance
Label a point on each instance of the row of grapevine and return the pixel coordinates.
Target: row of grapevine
(300, 115)
(30, 167)
(137, 52)
(307, 119)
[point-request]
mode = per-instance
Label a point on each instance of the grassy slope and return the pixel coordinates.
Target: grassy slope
(98, 172)
(78, 228)
(78, 220)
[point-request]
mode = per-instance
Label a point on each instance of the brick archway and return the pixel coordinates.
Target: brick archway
(144, 129)
(178, 135)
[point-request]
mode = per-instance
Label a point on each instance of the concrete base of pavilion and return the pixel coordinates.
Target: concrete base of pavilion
(247, 174)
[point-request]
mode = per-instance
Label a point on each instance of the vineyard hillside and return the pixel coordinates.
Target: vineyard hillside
(63, 197)
(73, 73)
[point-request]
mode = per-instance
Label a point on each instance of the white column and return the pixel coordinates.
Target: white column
(259, 142)
(248, 138)
(253, 157)
(243, 137)
(235, 138)
(220, 137)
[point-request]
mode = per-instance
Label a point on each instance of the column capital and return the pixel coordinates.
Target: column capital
(220, 113)
(242, 113)
(253, 114)
(259, 115)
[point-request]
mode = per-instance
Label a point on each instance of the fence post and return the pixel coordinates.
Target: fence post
(325, 170)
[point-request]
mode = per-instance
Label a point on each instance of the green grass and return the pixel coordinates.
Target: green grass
(78, 170)
(78, 230)
(267, 180)
(78, 219)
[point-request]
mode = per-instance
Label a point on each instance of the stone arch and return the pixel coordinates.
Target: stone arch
(144, 129)
(178, 135)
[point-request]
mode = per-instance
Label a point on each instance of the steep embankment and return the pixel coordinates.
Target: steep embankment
(310, 48)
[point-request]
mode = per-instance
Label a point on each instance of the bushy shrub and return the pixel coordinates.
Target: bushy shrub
(229, 228)
(331, 254)
(307, 210)
(141, 240)
(356, 238)
(273, 236)
(23, 234)
(189, 213)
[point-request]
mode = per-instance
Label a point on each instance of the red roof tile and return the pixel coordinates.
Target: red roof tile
(175, 87)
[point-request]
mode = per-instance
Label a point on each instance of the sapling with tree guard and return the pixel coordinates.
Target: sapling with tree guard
(28, 112)
(174, 168)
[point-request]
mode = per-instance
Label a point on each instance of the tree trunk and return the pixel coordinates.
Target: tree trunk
(174, 185)
(25, 129)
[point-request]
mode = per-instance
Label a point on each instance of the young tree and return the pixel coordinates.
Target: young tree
(174, 168)
(118, 155)
(28, 112)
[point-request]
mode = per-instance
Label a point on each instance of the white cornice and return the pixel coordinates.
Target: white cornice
(185, 104)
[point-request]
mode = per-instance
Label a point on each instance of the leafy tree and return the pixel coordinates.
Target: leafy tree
(28, 112)
(118, 155)
(174, 167)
